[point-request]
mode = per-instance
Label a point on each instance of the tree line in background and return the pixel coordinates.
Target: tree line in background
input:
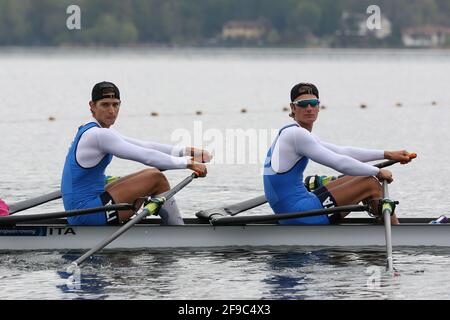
(201, 22)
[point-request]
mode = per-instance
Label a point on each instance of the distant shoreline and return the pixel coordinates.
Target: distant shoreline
(216, 48)
(244, 53)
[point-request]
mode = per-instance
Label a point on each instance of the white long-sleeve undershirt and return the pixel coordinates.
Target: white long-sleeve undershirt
(296, 142)
(96, 142)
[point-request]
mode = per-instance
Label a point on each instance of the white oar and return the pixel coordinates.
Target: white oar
(151, 208)
(387, 211)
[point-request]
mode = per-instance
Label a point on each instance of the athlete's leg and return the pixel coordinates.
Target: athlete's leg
(353, 190)
(145, 183)
(121, 179)
(349, 190)
(336, 217)
(170, 214)
(339, 181)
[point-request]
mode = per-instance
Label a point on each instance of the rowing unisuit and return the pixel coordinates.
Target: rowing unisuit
(83, 178)
(286, 161)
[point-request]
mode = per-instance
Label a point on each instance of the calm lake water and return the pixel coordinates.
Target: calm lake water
(407, 107)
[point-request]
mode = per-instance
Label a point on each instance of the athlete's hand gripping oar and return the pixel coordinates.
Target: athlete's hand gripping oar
(389, 163)
(227, 220)
(63, 214)
(151, 208)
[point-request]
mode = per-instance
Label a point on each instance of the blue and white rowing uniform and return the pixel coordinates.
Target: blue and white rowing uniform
(83, 178)
(286, 161)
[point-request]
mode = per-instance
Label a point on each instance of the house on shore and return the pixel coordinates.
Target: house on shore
(426, 37)
(244, 31)
(355, 29)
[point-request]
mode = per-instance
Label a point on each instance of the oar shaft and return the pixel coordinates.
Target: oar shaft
(233, 209)
(111, 238)
(63, 214)
(227, 220)
(385, 164)
(387, 227)
(167, 195)
(31, 203)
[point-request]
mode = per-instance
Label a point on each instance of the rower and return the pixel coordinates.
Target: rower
(291, 151)
(83, 183)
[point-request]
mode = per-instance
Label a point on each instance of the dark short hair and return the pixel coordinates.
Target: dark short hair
(303, 88)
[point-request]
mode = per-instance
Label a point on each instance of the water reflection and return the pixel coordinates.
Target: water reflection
(112, 274)
(275, 273)
(232, 273)
(296, 274)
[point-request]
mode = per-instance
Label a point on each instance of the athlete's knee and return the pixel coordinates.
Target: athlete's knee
(149, 171)
(163, 182)
(374, 180)
(158, 177)
(154, 177)
(153, 174)
(374, 185)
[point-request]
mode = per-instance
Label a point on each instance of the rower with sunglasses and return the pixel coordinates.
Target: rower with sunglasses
(295, 145)
(84, 184)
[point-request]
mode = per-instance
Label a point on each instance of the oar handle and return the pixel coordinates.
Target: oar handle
(169, 194)
(387, 163)
(391, 162)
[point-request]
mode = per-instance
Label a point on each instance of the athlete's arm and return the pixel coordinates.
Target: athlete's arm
(110, 142)
(175, 151)
(360, 154)
(306, 145)
(199, 155)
